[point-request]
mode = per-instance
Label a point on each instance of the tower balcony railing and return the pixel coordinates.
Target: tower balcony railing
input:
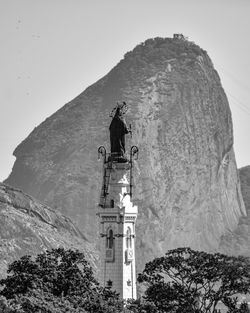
(108, 160)
(118, 156)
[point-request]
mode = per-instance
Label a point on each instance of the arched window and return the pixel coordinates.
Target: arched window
(110, 239)
(128, 238)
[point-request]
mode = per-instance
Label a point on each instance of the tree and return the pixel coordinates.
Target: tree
(140, 306)
(56, 281)
(244, 308)
(185, 280)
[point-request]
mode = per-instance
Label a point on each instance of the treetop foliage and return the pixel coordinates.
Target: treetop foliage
(182, 281)
(195, 280)
(56, 281)
(57, 271)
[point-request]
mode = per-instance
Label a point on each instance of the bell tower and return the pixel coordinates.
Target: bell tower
(117, 218)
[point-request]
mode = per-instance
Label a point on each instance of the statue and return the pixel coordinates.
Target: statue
(118, 129)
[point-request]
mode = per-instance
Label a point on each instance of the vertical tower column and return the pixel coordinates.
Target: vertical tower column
(117, 217)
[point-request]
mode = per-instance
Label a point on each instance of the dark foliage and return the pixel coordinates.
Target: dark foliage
(185, 280)
(140, 306)
(56, 281)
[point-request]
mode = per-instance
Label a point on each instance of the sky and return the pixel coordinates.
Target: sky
(52, 50)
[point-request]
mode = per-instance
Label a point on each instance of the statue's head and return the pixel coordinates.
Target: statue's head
(119, 110)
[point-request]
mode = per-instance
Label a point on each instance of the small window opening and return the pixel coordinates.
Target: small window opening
(110, 239)
(128, 238)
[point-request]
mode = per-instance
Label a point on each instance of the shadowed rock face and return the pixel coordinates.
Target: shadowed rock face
(186, 182)
(238, 242)
(28, 227)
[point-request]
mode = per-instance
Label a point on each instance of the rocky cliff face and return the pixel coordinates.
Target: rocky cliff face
(29, 227)
(238, 241)
(186, 182)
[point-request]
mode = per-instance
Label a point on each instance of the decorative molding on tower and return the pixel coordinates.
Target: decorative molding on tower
(117, 218)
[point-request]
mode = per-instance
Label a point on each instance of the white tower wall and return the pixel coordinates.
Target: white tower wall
(117, 217)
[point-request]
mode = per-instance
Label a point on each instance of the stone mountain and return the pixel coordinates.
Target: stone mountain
(29, 227)
(238, 241)
(186, 180)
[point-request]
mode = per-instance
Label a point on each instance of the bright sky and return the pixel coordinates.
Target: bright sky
(51, 50)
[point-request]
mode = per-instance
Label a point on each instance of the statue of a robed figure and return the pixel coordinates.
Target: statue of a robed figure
(118, 129)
